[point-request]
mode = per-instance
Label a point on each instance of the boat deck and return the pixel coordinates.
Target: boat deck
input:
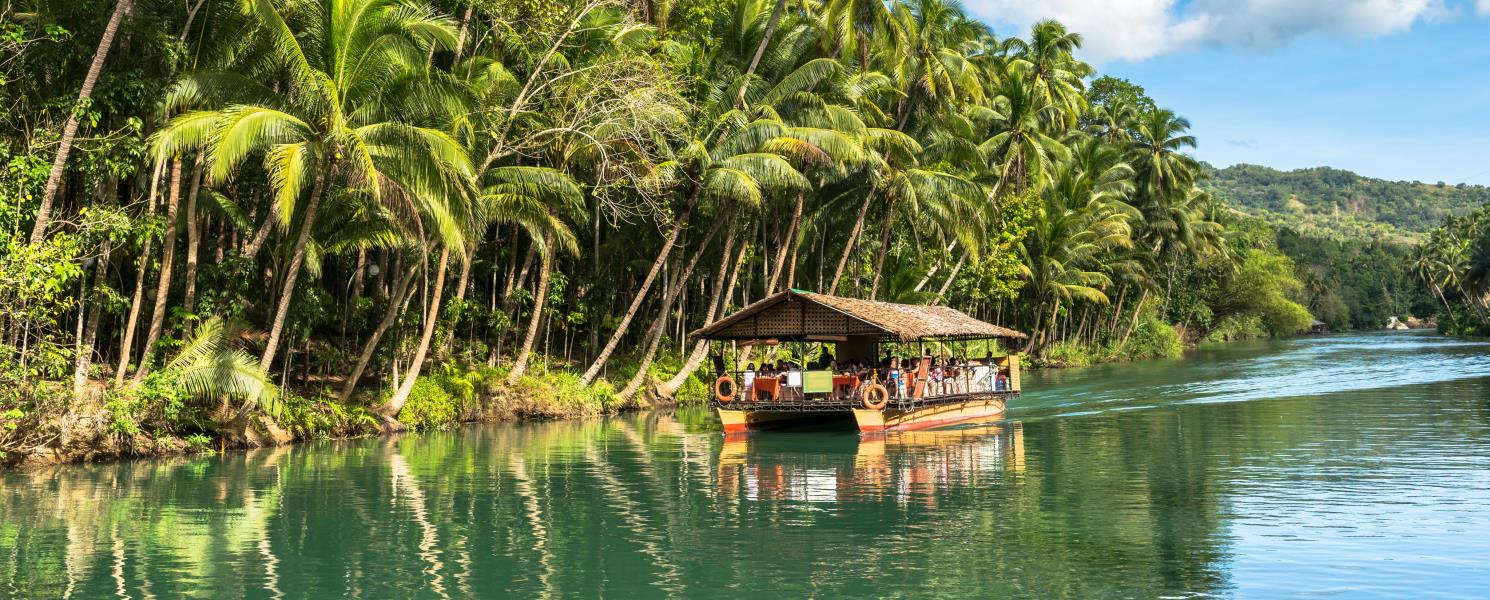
(841, 404)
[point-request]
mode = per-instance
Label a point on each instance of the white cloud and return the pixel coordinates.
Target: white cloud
(1133, 30)
(1482, 7)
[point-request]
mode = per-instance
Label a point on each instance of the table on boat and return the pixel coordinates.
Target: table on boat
(845, 383)
(770, 387)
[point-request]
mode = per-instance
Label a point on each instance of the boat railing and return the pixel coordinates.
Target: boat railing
(845, 388)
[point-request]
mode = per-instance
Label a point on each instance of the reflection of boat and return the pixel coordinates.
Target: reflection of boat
(849, 377)
(906, 467)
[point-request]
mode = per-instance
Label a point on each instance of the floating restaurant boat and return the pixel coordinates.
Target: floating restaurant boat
(863, 366)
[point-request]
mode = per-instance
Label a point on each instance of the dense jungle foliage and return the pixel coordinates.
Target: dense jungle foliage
(1454, 264)
(257, 219)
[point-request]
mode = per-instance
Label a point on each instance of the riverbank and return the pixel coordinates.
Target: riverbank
(156, 418)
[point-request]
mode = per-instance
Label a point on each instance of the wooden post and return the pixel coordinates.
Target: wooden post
(1014, 372)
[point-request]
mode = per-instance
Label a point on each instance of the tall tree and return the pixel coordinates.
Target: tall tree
(70, 128)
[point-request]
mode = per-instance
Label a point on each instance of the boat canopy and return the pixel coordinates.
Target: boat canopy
(796, 315)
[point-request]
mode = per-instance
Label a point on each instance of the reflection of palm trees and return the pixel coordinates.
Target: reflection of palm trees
(534, 513)
(429, 539)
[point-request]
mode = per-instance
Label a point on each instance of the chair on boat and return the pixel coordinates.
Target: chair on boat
(918, 378)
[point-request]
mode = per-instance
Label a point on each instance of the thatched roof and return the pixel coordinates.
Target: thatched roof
(802, 315)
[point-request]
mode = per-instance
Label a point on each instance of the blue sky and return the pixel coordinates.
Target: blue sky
(1396, 89)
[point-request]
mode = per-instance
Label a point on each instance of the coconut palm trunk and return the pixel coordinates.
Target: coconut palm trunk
(641, 294)
(402, 290)
(138, 298)
(788, 243)
(70, 128)
(389, 410)
(163, 283)
(884, 249)
(292, 272)
(193, 238)
(848, 246)
(83, 354)
(654, 335)
(941, 293)
(717, 301)
(545, 259)
(760, 50)
(1137, 310)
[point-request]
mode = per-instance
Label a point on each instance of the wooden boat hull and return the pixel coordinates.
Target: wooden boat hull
(736, 421)
(927, 417)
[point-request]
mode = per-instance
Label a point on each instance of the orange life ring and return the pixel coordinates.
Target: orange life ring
(733, 389)
(872, 391)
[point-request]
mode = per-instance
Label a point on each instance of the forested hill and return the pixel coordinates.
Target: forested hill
(1341, 205)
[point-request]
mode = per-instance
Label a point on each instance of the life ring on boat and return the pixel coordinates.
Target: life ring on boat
(725, 383)
(873, 391)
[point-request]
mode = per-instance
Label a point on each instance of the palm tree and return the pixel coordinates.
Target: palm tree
(852, 26)
(70, 128)
(1164, 174)
(1020, 145)
(540, 200)
(337, 122)
(1053, 72)
(731, 164)
(1079, 219)
(925, 56)
(209, 368)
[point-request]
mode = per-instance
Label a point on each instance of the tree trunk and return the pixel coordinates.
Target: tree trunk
(83, 355)
(262, 235)
(884, 249)
(1137, 310)
(70, 128)
(292, 272)
(132, 323)
(640, 294)
(654, 336)
(193, 238)
(461, 287)
(760, 50)
(701, 348)
(401, 294)
(520, 364)
(788, 242)
(848, 246)
(163, 283)
(941, 294)
(389, 410)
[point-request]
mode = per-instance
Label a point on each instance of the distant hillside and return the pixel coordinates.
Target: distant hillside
(1336, 204)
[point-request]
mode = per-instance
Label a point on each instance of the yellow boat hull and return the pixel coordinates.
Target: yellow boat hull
(872, 421)
(927, 417)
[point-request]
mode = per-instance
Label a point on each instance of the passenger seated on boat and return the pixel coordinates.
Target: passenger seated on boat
(1002, 383)
(747, 378)
(936, 378)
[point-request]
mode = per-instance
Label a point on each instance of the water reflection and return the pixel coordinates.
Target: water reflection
(1277, 496)
(904, 467)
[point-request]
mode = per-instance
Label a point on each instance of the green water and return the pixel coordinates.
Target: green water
(1352, 466)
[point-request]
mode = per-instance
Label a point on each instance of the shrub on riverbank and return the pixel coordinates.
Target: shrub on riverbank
(1151, 339)
(1154, 339)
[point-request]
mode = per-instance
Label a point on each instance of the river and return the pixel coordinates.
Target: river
(1353, 465)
